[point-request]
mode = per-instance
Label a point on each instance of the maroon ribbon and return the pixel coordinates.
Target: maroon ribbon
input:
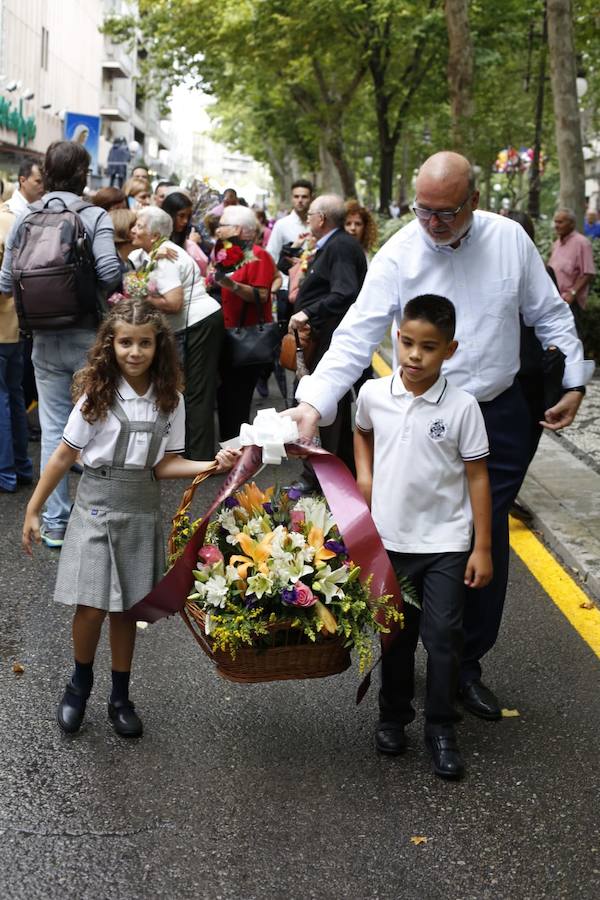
(348, 508)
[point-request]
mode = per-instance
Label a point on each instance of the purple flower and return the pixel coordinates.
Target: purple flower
(294, 494)
(336, 547)
(288, 595)
(250, 601)
(230, 503)
(268, 508)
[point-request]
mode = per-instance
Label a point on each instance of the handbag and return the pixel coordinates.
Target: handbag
(251, 345)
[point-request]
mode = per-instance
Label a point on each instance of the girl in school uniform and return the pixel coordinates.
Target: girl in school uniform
(128, 424)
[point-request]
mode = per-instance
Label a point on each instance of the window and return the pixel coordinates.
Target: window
(45, 37)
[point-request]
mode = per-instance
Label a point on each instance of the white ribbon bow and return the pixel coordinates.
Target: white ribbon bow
(269, 431)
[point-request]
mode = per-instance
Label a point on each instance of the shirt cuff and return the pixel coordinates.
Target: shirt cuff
(578, 373)
(308, 392)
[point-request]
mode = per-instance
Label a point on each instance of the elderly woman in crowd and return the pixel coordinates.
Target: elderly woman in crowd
(238, 224)
(361, 225)
(179, 206)
(195, 317)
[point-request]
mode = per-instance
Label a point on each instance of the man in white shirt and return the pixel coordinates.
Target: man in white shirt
(290, 227)
(31, 187)
(489, 268)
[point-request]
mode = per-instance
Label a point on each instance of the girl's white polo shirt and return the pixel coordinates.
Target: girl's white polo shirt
(420, 500)
(97, 442)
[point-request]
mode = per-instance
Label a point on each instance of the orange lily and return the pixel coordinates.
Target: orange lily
(257, 553)
(315, 540)
(251, 498)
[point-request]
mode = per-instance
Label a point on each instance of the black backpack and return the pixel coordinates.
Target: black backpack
(53, 272)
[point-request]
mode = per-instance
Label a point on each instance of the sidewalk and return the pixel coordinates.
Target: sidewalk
(562, 490)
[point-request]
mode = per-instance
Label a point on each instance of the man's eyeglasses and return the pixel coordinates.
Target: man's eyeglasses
(314, 212)
(444, 215)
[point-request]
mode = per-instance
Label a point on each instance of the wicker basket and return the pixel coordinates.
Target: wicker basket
(288, 654)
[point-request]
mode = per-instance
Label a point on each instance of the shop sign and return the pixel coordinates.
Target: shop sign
(12, 119)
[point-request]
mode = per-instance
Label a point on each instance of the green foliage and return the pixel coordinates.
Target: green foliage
(354, 79)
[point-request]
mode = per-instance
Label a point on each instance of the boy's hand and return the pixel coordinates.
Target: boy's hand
(31, 530)
(479, 571)
(226, 459)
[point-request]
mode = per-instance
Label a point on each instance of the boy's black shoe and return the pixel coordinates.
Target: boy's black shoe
(447, 761)
(390, 738)
(124, 718)
(71, 709)
(479, 700)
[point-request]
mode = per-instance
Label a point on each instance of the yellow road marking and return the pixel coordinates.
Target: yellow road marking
(559, 586)
(380, 365)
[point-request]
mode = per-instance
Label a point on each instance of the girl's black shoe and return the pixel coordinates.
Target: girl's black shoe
(124, 719)
(71, 709)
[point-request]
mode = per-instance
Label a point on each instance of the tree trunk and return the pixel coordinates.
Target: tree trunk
(334, 146)
(563, 75)
(535, 186)
(387, 153)
(460, 69)
(330, 182)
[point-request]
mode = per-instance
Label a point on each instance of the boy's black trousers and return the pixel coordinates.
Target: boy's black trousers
(439, 582)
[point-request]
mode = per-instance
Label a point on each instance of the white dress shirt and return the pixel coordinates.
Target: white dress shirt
(494, 273)
(17, 203)
(285, 230)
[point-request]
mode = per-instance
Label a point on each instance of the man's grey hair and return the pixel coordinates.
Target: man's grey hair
(242, 216)
(333, 208)
(472, 180)
(159, 222)
(565, 211)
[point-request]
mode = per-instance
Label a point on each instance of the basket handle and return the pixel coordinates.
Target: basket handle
(186, 500)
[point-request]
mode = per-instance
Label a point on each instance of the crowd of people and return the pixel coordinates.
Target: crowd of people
(130, 328)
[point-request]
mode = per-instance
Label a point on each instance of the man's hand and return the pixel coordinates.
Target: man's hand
(31, 532)
(306, 417)
(563, 413)
(298, 322)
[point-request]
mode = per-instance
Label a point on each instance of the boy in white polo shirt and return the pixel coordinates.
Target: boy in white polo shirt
(420, 446)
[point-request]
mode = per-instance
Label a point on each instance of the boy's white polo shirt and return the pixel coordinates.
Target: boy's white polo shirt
(420, 500)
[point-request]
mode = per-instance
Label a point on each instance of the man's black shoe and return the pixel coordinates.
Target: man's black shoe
(390, 738)
(71, 709)
(479, 700)
(447, 761)
(124, 719)
(303, 486)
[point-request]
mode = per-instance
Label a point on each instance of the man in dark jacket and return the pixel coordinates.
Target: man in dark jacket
(333, 280)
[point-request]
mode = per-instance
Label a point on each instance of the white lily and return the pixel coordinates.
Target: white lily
(260, 584)
(328, 582)
(316, 513)
(216, 590)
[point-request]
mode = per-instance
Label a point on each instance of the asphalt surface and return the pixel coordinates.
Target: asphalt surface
(276, 791)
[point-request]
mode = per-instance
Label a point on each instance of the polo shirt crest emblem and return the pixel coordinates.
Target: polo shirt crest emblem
(436, 430)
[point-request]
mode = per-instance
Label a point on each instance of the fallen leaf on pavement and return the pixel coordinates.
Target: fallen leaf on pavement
(141, 626)
(418, 839)
(510, 713)
(586, 605)
(18, 668)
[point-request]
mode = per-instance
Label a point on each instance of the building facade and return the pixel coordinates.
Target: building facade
(61, 77)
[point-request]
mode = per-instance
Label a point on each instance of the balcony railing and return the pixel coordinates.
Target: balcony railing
(115, 106)
(117, 60)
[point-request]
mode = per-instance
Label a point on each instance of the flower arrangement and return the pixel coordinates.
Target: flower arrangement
(276, 559)
(139, 284)
(228, 257)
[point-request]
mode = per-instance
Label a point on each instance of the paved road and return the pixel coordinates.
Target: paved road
(275, 791)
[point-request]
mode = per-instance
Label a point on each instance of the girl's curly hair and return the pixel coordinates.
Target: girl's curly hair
(369, 235)
(99, 377)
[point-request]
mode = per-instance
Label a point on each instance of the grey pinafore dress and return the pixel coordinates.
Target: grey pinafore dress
(113, 553)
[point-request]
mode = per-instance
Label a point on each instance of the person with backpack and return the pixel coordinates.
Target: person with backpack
(60, 262)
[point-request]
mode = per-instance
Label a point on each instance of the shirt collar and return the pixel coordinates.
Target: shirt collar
(446, 248)
(433, 395)
(322, 241)
(126, 392)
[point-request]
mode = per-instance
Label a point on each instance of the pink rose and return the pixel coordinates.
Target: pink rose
(304, 595)
(296, 519)
(209, 555)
